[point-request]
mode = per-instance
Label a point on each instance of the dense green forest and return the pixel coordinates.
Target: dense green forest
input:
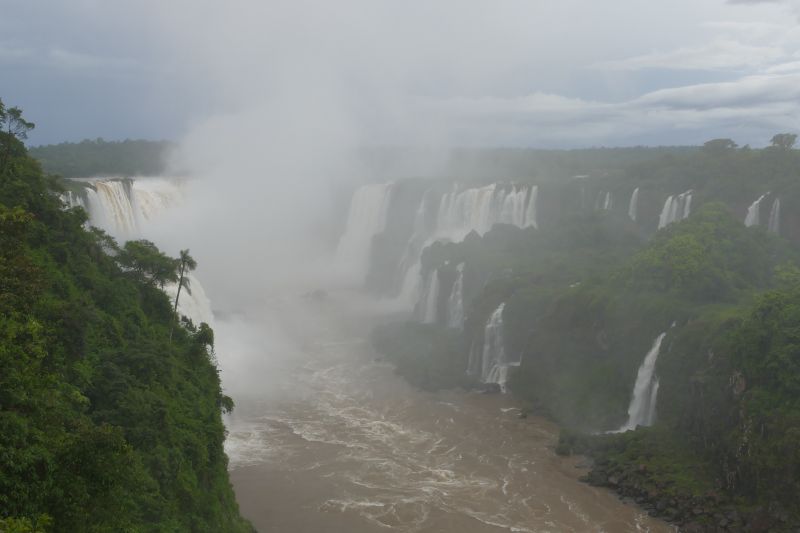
(98, 157)
(587, 293)
(108, 422)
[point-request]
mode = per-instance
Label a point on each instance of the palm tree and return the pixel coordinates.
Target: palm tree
(186, 264)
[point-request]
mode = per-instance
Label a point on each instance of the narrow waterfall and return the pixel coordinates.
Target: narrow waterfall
(122, 206)
(774, 225)
(608, 202)
(753, 217)
(489, 362)
(633, 205)
(530, 213)
(409, 266)
(676, 208)
(455, 304)
(429, 312)
(366, 219)
(642, 409)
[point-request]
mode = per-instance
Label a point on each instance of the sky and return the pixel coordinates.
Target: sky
(538, 73)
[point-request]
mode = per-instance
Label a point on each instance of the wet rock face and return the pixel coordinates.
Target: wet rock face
(710, 512)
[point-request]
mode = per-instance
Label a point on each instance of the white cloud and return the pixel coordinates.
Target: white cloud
(722, 54)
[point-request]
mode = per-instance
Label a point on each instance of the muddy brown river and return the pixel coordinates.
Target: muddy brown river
(326, 439)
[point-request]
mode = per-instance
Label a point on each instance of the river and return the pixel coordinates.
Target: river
(325, 438)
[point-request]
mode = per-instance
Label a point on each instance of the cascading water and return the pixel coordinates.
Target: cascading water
(457, 214)
(193, 303)
(121, 206)
(753, 217)
(366, 219)
(604, 201)
(490, 362)
(633, 205)
(530, 213)
(642, 409)
(429, 312)
(774, 225)
(455, 304)
(676, 208)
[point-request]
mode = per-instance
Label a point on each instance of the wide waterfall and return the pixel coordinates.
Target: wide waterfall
(676, 208)
(633, 205)
(753, 217)
(774, 225)
(642, 409)
(458, 213)
(490, 362)
(455, 304)
(366, 218)
(478, 209)
(122, 206)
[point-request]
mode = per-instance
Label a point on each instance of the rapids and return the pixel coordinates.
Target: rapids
(326, 438)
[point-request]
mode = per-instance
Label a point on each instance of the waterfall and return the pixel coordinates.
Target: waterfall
(642, 409)
(753, 217)
(490, 362)
(608, 201)
(457, 213)
(676, 208)
(774, 225)
(478, 209)
(193, 303)
(455, 304)
(633, 205)
(121, 206)
(429, 313)
(530, 213)
(409, 266)
(366, 218)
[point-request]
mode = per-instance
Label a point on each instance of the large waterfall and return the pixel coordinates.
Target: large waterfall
(753, 217)
(366, 218)
(633, 205)
(122, 207)
(458, 213)
(642, 409)
(774, 225)
(455, 304)
(490, 362)
(675, 208)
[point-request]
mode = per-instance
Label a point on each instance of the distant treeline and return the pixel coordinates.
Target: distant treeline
(99, 157)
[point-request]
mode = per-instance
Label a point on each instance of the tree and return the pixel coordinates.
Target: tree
(716, 146)
(784, 141)
(14, 127)
(147, 262)
(186, 264)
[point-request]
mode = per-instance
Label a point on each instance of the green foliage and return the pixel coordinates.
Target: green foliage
(423, 354)
(104, 158)
(105, 425)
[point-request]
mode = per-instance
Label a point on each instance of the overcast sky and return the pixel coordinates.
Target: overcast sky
(545, 73)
